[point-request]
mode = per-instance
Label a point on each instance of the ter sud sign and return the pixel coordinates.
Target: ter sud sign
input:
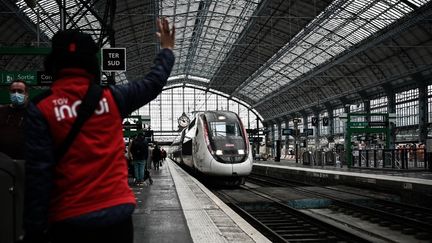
(113, 59)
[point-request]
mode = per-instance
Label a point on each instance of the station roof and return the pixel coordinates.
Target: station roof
(280, 57)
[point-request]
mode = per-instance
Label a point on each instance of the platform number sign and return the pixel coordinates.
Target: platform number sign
(113, 59)
(325, 121)
(314, 121)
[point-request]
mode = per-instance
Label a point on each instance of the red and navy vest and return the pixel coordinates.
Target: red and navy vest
(92, 175)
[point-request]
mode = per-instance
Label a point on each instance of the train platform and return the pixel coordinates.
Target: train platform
(178, 208)
(411, 186)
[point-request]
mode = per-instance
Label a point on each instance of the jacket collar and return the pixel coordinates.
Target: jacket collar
(74, 72)
(72, 76)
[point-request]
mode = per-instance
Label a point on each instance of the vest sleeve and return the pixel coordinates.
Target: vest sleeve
(136, 94)
(39, 168)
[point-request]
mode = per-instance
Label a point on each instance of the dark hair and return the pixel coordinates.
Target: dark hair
(72, 49)
(20, 81)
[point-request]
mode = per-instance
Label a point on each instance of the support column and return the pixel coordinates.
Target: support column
(194, 104)
(273, 135)
(329, 109)
(347, 108)
(317, 130)
(423, 112)
(205, 99)
(296, 138)
(258, 144)
(286, 137)
(391, 108)
(172, 110)
(278, 141)
(305, 126)
(367, 109)
(346, 158)
(267, 134)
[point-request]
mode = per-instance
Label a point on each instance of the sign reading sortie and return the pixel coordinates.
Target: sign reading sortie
(30, 77)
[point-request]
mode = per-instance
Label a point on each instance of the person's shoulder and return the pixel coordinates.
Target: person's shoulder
(4, 109)
(38, 98)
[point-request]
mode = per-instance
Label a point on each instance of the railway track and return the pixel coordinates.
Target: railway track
(408, 219)
(281, 223)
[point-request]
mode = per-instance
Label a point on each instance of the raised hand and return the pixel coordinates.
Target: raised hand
(165, 35)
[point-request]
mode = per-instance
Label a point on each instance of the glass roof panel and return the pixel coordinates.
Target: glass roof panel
(48, 12)
(207, 30)
(351, 22)
(213, 28)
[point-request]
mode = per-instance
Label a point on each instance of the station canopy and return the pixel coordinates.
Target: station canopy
(281, 57)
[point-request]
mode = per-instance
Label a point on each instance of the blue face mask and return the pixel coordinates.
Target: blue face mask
(17, 99)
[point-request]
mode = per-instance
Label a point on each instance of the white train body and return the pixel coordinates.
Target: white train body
(215, 143)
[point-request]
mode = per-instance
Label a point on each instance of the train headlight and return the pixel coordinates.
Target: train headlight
(241, 151)
(219, 152)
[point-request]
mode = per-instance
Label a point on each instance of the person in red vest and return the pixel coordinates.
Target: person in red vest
(84, 196)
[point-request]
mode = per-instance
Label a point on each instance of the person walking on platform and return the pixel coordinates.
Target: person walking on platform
(163, 155)
(76, 185)
(12, 121)
(156, 156)
(150, 157)
(139, 152)
(131, 169)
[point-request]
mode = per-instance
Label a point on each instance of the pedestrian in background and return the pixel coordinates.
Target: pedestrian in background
(12, 121)
(139, 152)
(156, 156)
(81, 194)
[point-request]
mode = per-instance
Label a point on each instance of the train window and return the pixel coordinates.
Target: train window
(187, 148)
(183, 133)
(224, 129)
(192, 124)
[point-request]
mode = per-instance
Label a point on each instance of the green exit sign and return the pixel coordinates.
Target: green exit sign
(28, 76)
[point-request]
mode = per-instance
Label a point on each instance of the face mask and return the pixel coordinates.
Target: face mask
(17, 98)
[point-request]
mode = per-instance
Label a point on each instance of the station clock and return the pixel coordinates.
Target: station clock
(183, 120)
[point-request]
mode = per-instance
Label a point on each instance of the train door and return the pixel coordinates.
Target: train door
(187, 146)
(198, 146)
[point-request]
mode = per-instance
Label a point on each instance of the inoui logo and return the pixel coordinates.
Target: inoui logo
(63, 110)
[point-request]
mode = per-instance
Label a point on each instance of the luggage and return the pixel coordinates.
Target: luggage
(11, 194)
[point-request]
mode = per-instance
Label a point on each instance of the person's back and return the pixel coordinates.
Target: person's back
(83, 194)
(156, 155)
(11, 131)
(163, 154)
(139, 148)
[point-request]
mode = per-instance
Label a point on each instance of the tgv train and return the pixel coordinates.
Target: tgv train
(216, 145)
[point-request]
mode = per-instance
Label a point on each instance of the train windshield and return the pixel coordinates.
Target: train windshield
(226, 137)
(224, 129)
